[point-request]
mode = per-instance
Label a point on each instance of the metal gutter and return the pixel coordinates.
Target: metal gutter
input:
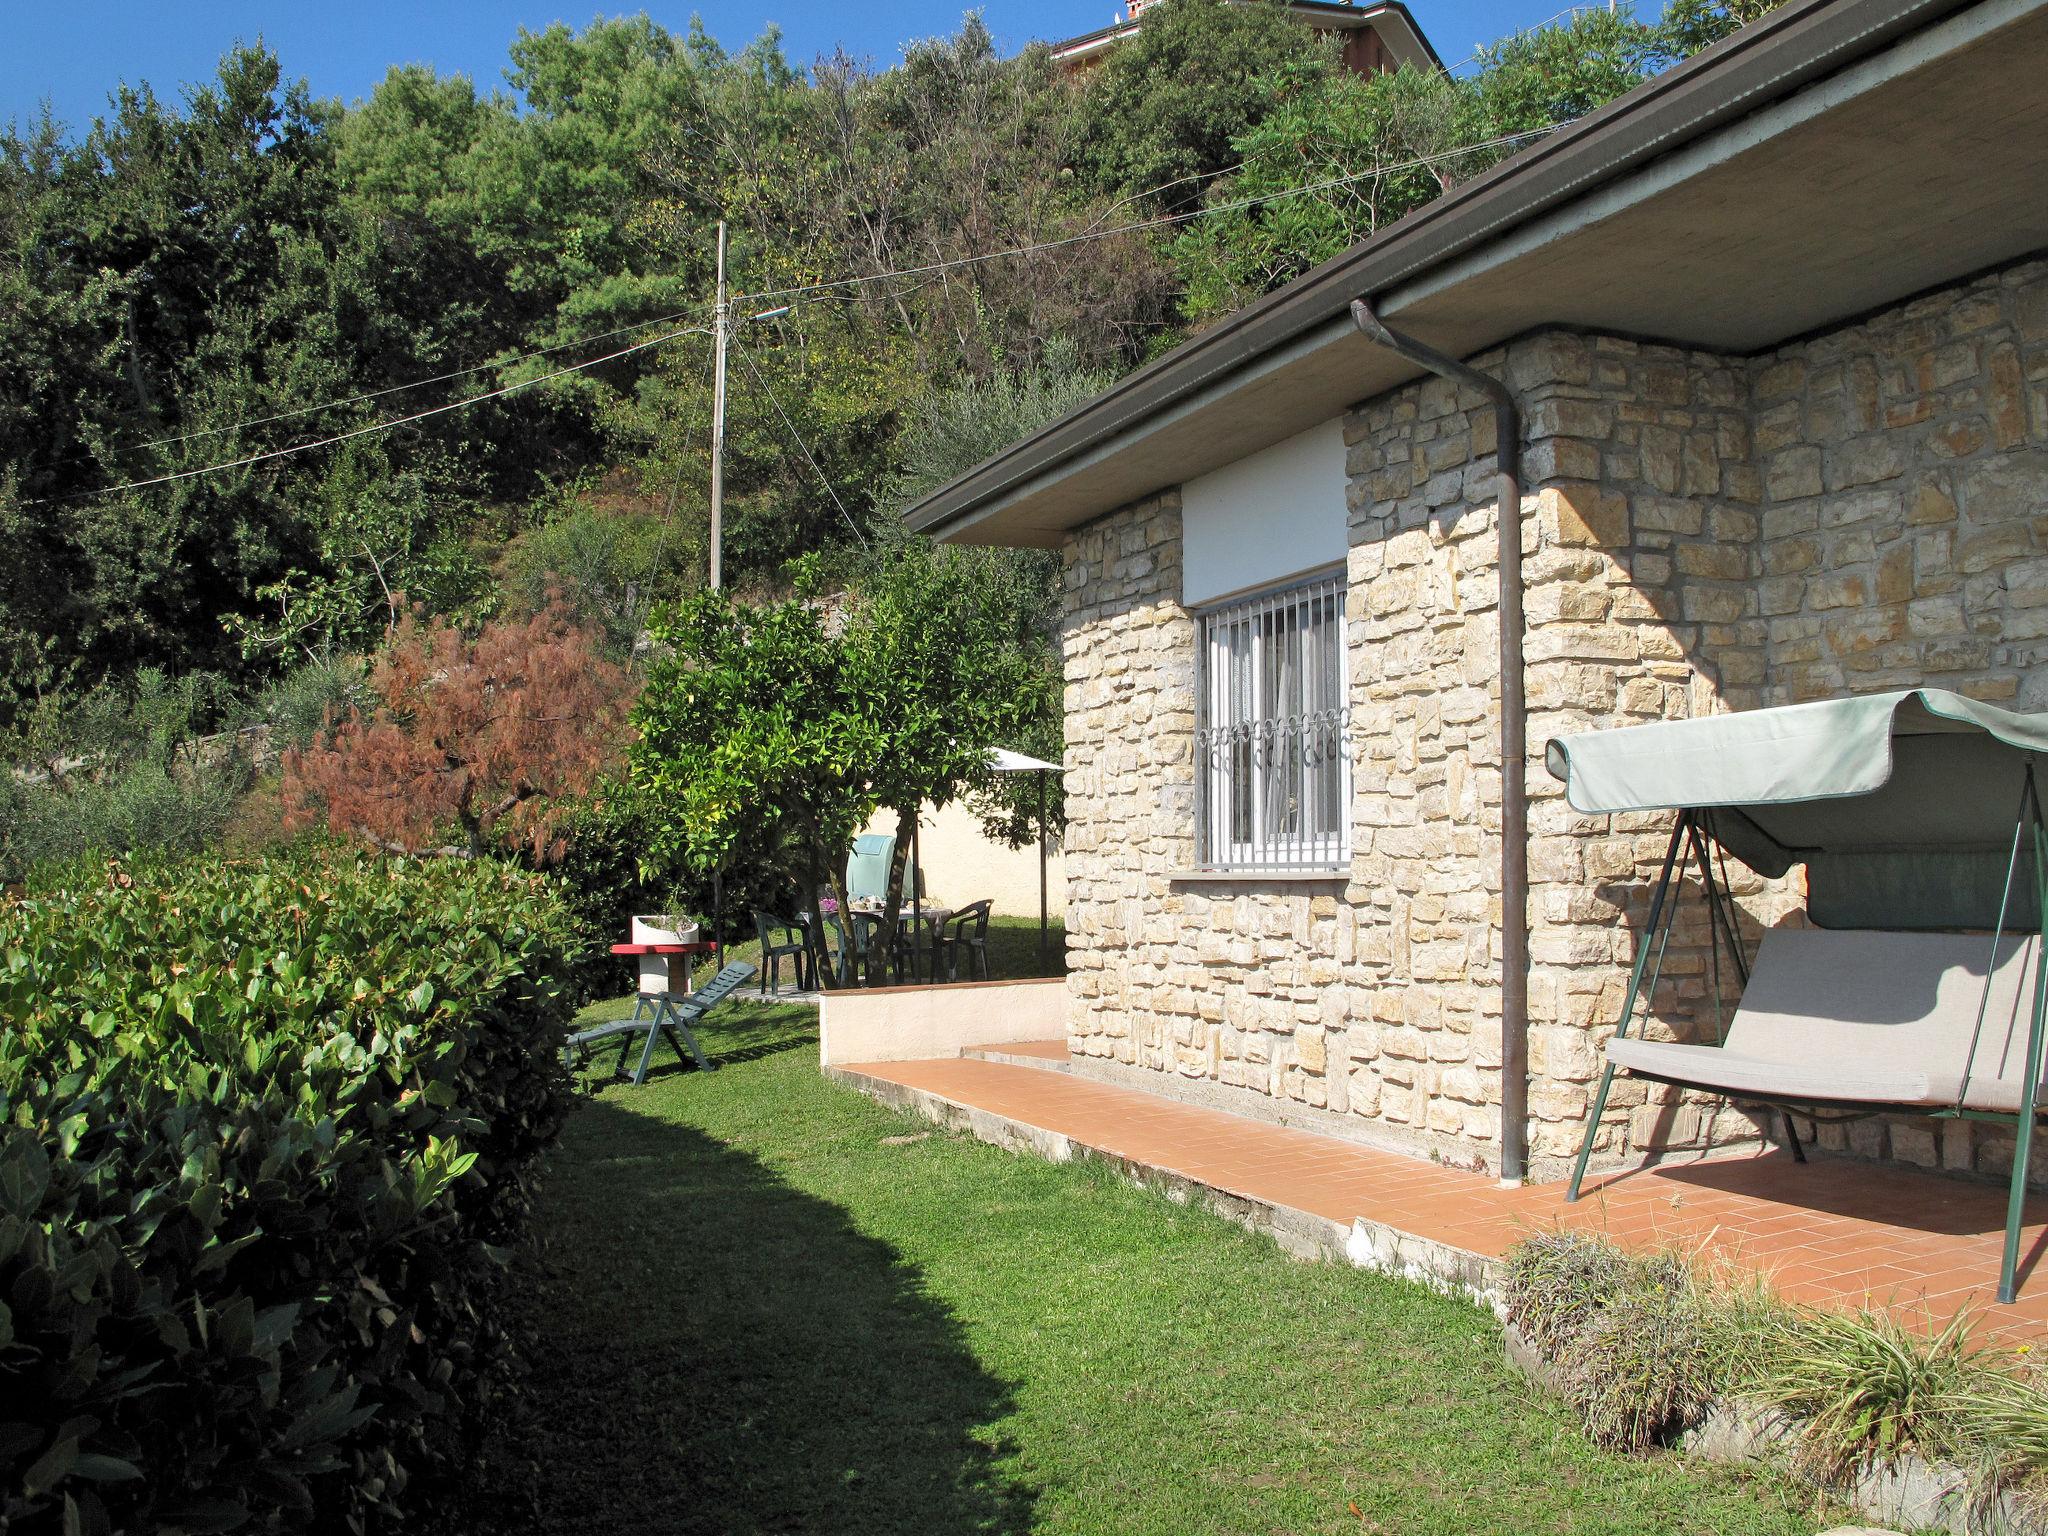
(1802, 41)
(1514, 734)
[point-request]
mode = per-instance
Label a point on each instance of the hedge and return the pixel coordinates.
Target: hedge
(269, 1127)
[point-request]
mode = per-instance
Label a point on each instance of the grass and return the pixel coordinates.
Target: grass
(768, 1304)
(1012, 952)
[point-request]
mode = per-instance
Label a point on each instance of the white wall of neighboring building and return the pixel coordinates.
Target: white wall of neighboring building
(1270, 515)
(960, 865)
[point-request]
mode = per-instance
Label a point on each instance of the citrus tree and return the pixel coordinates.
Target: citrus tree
(768, 734)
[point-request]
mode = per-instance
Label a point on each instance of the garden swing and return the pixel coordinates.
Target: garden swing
(1920, 986)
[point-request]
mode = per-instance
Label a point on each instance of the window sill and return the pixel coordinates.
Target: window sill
(1259, 877)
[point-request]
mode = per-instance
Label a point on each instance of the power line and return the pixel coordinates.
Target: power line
(748, 358)
(926, 270)
(378, 394)
(1165, 221)
(1473, 57)
(378, 426)
(930, 269)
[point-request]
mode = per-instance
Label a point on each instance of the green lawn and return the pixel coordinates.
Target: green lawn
(768, 1304)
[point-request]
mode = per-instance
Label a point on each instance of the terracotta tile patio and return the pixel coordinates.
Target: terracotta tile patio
(1831, 1232)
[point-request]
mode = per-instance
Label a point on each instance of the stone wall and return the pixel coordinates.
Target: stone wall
(1639, 550)
(1905, 512)
(1904, 540)
(1130, 711)
(1862, 510)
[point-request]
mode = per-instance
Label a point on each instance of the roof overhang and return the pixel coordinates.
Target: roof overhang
(1403, 39)
(1835, 157)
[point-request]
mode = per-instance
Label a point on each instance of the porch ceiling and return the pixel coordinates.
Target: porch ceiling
(1907, 156)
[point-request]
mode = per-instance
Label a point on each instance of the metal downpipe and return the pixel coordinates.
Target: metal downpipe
(1514, 737)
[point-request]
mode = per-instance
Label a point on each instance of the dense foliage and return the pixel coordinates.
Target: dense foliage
(264, 1131)
(1336, 155)
(142, 766)
(250, 270)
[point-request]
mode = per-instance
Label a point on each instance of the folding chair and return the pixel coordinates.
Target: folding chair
(659, 1015)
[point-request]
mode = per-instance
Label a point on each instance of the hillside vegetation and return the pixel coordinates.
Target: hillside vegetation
(929, 259)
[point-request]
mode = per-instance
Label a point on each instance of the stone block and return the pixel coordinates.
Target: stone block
(1792, 474)
(1582, 514)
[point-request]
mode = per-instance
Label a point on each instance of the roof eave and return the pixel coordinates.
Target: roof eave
(1757, 66)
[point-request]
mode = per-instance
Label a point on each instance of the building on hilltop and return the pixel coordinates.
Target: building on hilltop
(1376, 38)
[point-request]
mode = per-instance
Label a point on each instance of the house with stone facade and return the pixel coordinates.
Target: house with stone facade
(1769, 339)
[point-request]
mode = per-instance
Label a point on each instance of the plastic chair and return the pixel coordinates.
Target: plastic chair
(865, 926)
(658, 1016)
(780, 937)
(966, 932)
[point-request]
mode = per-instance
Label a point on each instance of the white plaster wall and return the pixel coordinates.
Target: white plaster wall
(1272, 515)
(927, 1023)
(960, 865)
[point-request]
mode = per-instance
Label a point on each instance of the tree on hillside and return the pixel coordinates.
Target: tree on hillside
(188, 285)
(1166, 107)
(1344, 155)
(468, 743)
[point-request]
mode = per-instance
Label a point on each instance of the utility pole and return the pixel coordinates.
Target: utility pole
(721, 330)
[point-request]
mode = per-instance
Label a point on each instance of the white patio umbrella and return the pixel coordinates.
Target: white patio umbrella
(1003, 760)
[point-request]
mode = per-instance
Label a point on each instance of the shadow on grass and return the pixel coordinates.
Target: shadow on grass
(719, 1352)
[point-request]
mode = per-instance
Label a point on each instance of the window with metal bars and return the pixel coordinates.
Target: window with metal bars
(1273, 776)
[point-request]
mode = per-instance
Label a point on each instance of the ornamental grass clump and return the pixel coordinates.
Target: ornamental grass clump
(1627, 1335)
(265, 1130)
(2003, 1418)
(1642, 1344)
(1864, 1389)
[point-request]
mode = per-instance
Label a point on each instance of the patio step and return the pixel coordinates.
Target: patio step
(1042, 1055)
(1833, 1232)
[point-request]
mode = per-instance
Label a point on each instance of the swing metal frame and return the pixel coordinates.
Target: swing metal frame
(1692, 836)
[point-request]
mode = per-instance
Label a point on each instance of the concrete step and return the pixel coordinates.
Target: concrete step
(1045, 1055)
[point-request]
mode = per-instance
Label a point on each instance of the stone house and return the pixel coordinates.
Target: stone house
(1774, 329)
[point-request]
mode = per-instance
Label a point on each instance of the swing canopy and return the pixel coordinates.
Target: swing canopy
(1902, 805)
(1916, 814)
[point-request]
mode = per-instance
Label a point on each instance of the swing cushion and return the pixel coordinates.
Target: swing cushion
(1864, 1016)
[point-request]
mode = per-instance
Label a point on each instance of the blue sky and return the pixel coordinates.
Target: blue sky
(73, 52)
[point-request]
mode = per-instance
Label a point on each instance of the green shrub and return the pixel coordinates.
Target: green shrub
(144, 807)
(119, 771)
(265, 1131)
(299, 705)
